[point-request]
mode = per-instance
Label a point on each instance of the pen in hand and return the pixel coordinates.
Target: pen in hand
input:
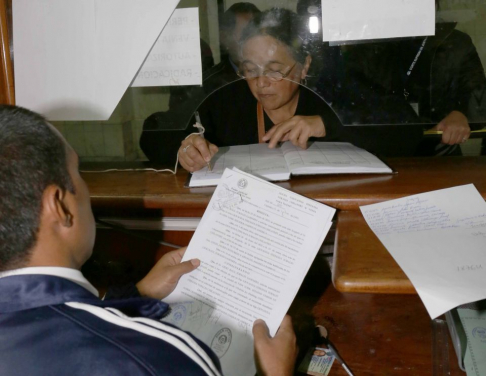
(201, 133)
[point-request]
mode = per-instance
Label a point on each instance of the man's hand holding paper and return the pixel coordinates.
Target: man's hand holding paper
(256, 242)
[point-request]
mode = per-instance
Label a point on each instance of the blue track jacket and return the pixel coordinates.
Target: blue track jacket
(52, 326)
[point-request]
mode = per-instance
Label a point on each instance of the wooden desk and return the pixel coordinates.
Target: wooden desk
(150, 190)
(362, 263)
(377, 334)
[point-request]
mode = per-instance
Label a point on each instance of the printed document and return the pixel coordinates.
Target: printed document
(439, 240)
(256, 242)
(355, 20)
(175, 58)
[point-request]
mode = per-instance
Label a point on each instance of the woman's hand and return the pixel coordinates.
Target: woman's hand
(275, 356)
(297, 129)
(455, 128)
(195, 153)
(162, 279)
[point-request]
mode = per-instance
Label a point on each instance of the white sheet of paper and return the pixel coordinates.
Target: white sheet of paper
(175, 58)
(350, 20)
(439, 240)
(256, 241)
(75, 59)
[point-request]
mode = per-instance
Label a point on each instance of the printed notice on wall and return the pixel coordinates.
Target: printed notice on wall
(439, 240)
(353, 20)
(175, 58)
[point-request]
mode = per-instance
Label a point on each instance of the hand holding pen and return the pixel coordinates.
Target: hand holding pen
(199, 126)
(195, 151)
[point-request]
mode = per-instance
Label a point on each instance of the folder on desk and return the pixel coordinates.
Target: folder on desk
(458, 336)
(469, 319)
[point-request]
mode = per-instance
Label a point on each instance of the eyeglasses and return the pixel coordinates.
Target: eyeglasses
(275, 76)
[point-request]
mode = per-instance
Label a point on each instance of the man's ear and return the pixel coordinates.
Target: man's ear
(307, 64)
(56, 206)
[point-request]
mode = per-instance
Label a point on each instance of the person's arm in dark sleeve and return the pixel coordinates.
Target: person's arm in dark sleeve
(469, 72)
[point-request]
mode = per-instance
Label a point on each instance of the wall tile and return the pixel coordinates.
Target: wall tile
(114, 127)
(113, 143)
(481, 24)
(129, 149)
(147, 100)
(135, 131)
(59, 125)
(91, 126)
(95, 145)
(78, 142)
(73, 126)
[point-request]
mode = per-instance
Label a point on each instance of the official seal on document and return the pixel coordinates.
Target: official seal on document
(226, 198)
(242, 183)
(221, 342)
(480, 333)
(177, 315)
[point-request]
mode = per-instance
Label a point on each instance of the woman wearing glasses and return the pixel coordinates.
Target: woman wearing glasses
(270, 104)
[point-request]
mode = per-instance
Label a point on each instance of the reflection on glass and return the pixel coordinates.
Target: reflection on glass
(270, 105)
(313, 24)
(250, 71)
(380, 94)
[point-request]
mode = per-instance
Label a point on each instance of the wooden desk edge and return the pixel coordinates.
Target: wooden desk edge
(378, 273)
(347, 285)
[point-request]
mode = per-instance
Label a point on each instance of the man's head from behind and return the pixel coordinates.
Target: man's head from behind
(231, 24)
(44, 204)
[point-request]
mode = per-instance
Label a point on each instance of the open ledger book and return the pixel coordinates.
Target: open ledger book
(279, 163)
(256, 242)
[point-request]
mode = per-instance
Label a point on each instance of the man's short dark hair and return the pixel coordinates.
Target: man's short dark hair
(32, 157)
(227, 21)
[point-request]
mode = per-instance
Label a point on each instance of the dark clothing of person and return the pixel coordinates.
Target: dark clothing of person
(445, 75)
(163, 131)
(355, 97)
(370, 115)
(52, 326)
(230, 116)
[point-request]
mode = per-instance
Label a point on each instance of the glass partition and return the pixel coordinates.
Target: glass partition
(269, 56)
